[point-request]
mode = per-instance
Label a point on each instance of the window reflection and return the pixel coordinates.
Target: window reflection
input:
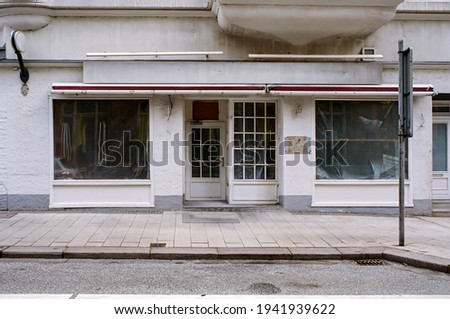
(101, 139)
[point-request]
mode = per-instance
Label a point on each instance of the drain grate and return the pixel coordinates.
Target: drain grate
(371, 262)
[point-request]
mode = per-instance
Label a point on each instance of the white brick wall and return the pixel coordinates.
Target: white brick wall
(25, 135)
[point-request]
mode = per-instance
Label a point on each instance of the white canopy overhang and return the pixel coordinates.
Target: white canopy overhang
(80, 89)
(300, 22)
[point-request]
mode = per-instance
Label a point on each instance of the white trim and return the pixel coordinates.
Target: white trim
(355, 182)
(151, 54)
(359, 201)
(443, 175)
(151, 114)
(51, 156)
(101, 205)
(102, 182)
(196, 8)
(366, 57)
(232, 182)
(188, 179)
(254, 202)
(255, 182)
(358, 182)
(265, 90)
(356, 205)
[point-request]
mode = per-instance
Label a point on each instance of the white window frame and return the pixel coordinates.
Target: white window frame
(101, 192)
(371, 193)
(253, 191)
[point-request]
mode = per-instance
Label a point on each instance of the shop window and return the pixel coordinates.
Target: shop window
(357, 140)
(254, 141)
(101, 139)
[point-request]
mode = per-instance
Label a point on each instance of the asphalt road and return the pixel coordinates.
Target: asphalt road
(34, 276)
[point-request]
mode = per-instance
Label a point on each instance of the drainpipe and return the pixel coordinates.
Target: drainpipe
(18, 43)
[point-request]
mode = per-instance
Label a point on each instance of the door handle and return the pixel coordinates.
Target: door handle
(222, 161)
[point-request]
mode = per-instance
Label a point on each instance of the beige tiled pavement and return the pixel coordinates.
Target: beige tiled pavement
(277, 228)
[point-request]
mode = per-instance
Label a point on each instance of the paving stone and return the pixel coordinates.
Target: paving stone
(210, 217)
(172, 253)
(107, 252)
(361, 252)
(33, 252)
(417, 259)
(363, 236)
(315, 253)
(258, 253)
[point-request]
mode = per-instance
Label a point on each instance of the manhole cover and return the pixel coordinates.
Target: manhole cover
(298, 285)
(370, 262)
(263, 288)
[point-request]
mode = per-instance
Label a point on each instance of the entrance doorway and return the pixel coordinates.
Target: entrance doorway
(205, 169)
(441, 138)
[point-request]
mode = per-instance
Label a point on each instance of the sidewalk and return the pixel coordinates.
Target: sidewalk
(266, 234)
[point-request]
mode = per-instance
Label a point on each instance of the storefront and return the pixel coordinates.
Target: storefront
(169, 104)
(238, 144)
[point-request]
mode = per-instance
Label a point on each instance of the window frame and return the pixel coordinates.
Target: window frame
(99, 182)
(408, 146)
(254, 132)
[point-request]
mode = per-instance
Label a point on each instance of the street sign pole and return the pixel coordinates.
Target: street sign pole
(405, 126)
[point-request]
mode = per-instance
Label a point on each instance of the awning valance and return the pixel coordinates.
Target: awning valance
(235, 89)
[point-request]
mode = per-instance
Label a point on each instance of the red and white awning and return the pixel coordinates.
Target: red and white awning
(234, 89)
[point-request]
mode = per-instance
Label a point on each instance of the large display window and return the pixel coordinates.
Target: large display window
(357, 140)
(101, 139)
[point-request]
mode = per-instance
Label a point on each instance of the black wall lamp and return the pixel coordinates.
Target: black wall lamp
(18, 43)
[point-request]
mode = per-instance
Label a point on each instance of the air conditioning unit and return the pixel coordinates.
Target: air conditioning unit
(368, 51)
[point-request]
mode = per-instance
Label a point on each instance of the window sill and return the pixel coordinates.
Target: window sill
(255, 182)
(358, 182)
(101, 182)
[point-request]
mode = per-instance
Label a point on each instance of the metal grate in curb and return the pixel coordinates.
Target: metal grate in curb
(370, 262)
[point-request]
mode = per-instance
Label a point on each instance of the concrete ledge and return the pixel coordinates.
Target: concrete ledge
(107, 252)
(352, 253)
(199, 253)
(417, 259)
(2, 248)
(172, 253)
(314, 253)
(262, 253)
(33, 252)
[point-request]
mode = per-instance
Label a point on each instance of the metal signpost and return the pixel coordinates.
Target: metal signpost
(405, 125)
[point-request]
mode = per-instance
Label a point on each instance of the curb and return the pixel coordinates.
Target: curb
(168, 253)
(417, 260)
(33, 252)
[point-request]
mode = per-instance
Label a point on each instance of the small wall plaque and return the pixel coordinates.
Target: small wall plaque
(297, 144)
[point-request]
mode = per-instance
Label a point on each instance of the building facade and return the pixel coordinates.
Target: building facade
(171, 103)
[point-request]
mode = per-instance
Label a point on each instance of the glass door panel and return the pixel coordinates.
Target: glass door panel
(440, 154)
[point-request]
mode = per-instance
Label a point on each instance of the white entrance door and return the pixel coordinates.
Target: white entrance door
(441, 131)
(205, 169)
